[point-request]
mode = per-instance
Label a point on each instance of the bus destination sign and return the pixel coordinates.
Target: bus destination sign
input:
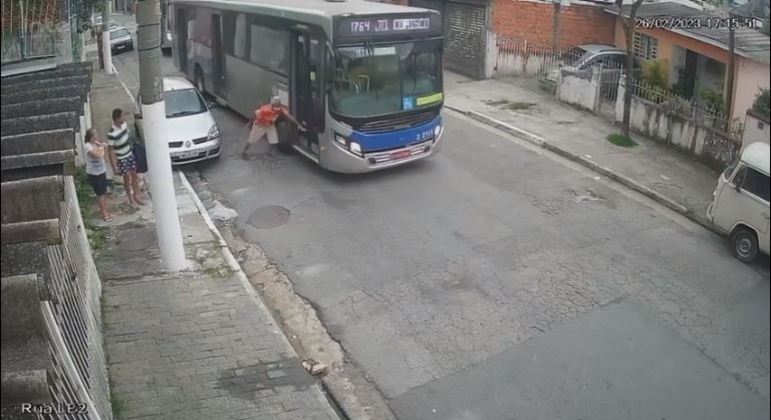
(365, 26)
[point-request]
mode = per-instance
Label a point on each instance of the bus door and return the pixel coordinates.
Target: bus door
(218, 55)
(307, 87)
(181, 24)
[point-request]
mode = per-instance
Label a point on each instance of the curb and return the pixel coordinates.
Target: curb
(233, 264)
(588, 163)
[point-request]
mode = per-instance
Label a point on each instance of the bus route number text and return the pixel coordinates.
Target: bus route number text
(386, 25)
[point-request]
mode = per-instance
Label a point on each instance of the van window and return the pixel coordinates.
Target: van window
(754, 182)
(730, 169)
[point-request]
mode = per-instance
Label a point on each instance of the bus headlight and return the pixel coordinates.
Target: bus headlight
(214, 133)
(349, 145)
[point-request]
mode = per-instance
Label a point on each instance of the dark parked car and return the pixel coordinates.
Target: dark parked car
(121, 40)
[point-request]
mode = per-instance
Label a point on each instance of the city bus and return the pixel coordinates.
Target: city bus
(363, 78)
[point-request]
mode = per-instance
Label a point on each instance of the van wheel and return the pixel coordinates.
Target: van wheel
(745, 245)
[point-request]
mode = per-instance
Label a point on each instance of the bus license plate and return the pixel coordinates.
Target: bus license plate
(400, 154)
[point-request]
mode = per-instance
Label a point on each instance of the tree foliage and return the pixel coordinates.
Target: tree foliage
(762, 104)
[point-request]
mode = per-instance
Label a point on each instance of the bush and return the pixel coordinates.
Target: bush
(656, 74)
(713, 100)
(762, 104)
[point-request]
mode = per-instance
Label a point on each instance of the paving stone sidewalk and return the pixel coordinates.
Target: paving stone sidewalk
(653, 165)
(194, 344)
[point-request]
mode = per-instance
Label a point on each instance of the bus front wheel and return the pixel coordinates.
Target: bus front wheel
(286, 138)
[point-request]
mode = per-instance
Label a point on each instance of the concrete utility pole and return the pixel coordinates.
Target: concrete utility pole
(106, 48)
(729, 96)
(75, 31)
(167, 225)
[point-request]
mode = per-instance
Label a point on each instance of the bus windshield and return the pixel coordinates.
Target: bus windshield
(372, 80)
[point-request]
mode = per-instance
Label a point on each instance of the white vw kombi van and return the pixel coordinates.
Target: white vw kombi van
(740, 204)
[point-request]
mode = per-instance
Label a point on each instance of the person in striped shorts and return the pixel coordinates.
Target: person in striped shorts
(122, 156)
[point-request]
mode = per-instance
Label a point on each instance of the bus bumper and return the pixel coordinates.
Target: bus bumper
(337, 159)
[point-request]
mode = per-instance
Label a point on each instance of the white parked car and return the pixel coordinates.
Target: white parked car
(193, 133)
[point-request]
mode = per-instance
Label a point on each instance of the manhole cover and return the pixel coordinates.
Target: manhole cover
(136, 239)
(269, 217)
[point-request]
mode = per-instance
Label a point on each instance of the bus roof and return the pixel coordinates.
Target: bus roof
(757, 156)
(310, 7)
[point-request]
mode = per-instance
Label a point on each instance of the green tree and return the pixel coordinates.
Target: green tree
(762, 104)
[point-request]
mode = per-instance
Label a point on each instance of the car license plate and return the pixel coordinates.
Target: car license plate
(120, 47)
(400, 154)
(187, 155)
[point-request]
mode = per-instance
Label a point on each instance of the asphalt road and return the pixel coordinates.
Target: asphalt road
(495, 282)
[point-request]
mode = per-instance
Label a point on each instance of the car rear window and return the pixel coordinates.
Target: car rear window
(119, 33)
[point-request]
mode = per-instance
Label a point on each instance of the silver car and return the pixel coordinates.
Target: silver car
(121, 40)
(194, 135)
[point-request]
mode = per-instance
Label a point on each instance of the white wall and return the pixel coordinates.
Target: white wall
(755, 130)
(580, 89)
(708, 145)
(751, 75)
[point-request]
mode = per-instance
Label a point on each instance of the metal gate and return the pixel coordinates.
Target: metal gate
(610, 74)
(30, 28)
(465, 34)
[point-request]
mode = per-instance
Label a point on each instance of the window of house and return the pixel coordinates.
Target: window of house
(268, 48)
(239, 47)
(645, 47)
(229, 32)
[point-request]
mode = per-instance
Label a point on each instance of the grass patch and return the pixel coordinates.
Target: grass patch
(96, 237)
(87, 204)
(118, 406)
(518, 106)
(621, 140)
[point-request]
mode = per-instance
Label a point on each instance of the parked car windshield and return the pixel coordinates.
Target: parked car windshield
(119, 33)
(575, 55)
(183, 102)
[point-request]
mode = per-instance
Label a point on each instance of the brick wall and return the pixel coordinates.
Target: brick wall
(533, 21)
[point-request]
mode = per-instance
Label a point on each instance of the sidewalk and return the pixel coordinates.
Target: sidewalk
(197, 344)
(662, 173)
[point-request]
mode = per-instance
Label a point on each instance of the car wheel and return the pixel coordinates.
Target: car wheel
(745, 245)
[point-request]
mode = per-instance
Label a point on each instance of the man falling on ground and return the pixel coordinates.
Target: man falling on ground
(264, 125)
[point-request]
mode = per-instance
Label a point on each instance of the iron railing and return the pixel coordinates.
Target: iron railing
(30, 28)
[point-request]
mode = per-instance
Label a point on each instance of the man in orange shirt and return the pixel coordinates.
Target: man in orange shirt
(264, 124)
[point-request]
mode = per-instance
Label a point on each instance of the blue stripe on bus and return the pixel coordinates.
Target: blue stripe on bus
(395, 139)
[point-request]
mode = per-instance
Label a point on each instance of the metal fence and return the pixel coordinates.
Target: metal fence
(74, 317)
(30, 28)
(517, 57)
(695, 109)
